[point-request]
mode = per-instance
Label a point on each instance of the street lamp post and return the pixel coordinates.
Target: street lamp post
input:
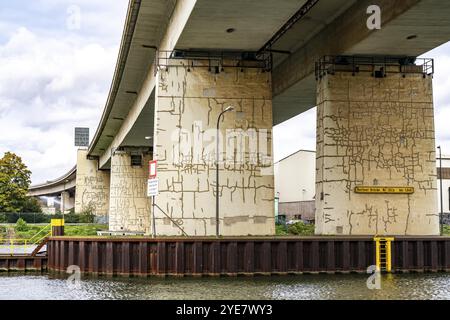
(230, 108)
(441, 216)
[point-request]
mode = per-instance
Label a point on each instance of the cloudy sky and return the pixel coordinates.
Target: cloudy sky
(57, 59)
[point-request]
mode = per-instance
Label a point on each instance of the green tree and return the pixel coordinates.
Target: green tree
(14, 183)
(31, 204)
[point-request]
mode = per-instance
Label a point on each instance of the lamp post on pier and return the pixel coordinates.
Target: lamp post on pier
(230, 108)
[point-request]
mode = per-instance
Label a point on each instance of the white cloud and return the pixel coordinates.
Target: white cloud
(50, 83)
(295, 134)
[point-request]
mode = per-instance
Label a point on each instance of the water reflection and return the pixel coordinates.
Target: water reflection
(305, 287)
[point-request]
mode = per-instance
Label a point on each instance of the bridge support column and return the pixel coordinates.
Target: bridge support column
(66, 203)
(375, 132)
(92, 186)
(129, 209)
(188, 103)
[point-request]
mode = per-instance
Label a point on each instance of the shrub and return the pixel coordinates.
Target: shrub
(12, 217)
(302, 229)
(87, 215)
(280, 230)
(21, 225)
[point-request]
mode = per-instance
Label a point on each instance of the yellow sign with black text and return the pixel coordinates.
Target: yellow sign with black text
(384, 190)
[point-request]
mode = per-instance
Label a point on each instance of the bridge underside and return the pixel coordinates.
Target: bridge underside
(372, 131)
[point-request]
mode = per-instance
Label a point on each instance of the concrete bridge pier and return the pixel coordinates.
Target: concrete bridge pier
(129, 206)
(190, 95)
(67, 201)
(92, 186)
(375, 129)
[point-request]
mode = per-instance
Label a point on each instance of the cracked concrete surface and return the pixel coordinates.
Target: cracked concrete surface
(188, 103)
(373, 131)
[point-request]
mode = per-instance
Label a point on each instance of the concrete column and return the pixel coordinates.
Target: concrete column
(129, 209)
(92, 186)
(64, 204)
(375, 132)
(188, 103)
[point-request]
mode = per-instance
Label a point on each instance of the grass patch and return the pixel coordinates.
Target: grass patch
(84, 230)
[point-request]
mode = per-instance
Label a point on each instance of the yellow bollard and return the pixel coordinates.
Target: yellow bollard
(57, 226)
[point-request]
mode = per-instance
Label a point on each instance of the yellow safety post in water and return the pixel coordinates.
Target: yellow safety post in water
(383, 253)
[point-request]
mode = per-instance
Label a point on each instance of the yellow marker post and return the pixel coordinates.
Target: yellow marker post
(57, 226)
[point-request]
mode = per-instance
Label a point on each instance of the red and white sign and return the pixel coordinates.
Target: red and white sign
(152, 169)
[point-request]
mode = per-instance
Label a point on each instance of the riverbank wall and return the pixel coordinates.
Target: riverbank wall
(241, 256)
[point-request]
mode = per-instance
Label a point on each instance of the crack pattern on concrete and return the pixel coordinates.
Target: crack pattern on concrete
(187, 106)
(375, 132)
(129, 204)
(92, 186)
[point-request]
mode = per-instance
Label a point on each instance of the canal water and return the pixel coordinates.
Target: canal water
(301, 287)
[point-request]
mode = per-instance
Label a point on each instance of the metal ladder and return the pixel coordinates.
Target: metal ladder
(383, 253)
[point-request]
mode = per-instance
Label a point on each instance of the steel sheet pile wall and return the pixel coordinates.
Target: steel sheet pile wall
(23, 263)
(233, 256)
(421, 254)
(211, 257)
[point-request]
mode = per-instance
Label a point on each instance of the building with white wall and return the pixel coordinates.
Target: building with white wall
(295, 185)
(445, 186)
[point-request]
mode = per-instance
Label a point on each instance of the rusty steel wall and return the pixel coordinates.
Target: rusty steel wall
(23, 263)
(232, 256)
(210, 257)
(421, 254)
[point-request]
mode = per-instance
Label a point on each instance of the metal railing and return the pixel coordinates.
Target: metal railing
(379, 66)
(215, 61)
(14, 246)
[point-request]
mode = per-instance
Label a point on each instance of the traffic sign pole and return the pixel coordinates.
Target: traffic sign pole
(152, 190)
(153, 218)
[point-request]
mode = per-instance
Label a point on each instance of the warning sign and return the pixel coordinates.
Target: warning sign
(152, 169)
